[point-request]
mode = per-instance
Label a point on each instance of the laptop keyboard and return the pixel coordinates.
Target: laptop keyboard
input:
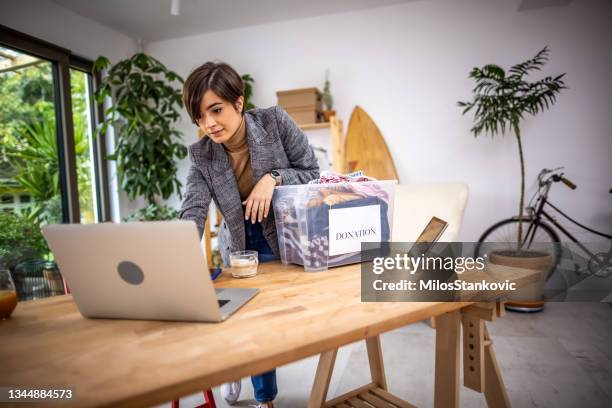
(222, 302)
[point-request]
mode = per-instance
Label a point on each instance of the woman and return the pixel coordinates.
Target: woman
(242, 158)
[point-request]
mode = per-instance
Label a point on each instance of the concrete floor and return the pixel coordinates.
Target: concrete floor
(561, 357)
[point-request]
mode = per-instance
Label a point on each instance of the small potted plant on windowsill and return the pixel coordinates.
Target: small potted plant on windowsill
(501, 100)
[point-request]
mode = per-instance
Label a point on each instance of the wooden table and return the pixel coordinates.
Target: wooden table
(48, 344)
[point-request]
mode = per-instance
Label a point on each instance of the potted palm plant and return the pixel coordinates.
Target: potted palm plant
(500, 101)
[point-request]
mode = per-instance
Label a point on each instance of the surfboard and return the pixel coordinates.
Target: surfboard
(365, 148)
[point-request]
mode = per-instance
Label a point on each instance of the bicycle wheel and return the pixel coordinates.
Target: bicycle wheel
(600, 265)
(502, 236)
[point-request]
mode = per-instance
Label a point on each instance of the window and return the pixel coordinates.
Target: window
(28, 131)
(47, 110)
(81, 94)
(51, 168)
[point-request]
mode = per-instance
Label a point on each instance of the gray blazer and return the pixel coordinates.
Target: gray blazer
(275, 143)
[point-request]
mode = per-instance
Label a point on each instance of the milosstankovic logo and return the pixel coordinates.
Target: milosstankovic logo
(366, 232)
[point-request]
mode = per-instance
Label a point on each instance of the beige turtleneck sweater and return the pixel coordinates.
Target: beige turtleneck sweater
(237, 149)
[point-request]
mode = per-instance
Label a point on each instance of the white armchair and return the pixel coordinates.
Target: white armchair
(415, 204)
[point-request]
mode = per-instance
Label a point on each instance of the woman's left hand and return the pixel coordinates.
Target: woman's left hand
(258, 202)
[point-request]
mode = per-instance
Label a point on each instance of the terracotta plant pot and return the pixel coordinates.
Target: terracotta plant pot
(528, 299)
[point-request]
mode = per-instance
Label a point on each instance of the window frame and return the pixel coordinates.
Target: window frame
(99, 143)
(62, 61)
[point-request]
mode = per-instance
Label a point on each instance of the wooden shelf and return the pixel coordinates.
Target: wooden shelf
(369, 395)
(310, 126)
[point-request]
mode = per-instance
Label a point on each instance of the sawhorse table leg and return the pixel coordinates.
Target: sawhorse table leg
(480, 369)
(481, 372)
(446, 383)
(374, 394)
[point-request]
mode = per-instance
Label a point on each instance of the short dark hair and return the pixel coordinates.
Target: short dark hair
(219, 77)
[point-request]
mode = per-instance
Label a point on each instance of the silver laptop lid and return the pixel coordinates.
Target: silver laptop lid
(139, 270)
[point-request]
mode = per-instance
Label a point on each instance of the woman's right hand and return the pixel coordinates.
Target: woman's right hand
(258, 202)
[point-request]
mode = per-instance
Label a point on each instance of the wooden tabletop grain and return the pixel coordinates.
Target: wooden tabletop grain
(47, 343)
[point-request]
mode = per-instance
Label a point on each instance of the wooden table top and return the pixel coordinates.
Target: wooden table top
(47, 343)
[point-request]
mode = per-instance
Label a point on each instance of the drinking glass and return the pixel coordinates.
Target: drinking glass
(243, 264)
(8, 294)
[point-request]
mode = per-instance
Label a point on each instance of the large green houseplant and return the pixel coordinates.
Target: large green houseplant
(248, 91)
(145, 106)
(501, 100)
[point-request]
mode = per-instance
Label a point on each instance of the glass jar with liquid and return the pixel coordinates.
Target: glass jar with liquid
(8, 294)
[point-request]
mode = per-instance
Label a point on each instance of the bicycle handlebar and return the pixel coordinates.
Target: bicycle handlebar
(568, 183)
(555, 178)
(544, 172)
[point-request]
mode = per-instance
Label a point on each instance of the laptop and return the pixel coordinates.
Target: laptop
(141, 270)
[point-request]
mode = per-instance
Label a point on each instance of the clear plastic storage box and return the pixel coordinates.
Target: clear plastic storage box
(322, 225)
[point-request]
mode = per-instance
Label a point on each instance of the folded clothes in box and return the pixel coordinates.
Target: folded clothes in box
(323, 225)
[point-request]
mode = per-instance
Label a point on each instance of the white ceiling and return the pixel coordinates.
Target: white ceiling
(536, 4)
(150, 20)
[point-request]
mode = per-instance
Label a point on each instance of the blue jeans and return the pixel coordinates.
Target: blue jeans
(255, 241)
(264, 384)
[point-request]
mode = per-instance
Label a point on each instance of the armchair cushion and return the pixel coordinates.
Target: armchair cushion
(415, 204)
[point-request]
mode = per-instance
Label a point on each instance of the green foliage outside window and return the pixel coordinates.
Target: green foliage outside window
(30, 141)
(20, 240)
(25, 96)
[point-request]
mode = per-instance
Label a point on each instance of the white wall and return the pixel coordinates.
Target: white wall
(407, 66)
(48, 21)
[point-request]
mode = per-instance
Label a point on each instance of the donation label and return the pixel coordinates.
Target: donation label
(349, 227)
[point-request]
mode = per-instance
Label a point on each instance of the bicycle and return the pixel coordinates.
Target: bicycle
(538, 231)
